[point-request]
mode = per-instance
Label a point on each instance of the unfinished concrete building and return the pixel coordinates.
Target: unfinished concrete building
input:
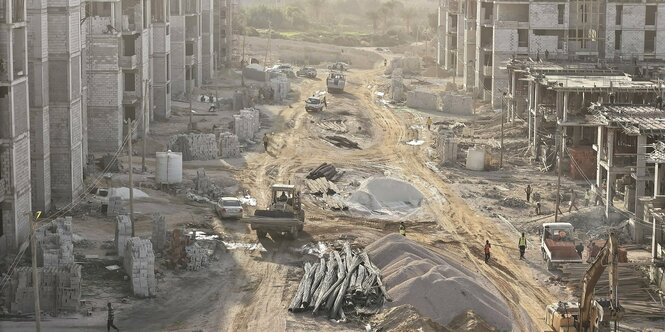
(118, 70)
(225, 41)
(15, 186)
(207, 40)
(186, 47)
(161, 58)
(654, 215)
(584, 30)
(65, 100)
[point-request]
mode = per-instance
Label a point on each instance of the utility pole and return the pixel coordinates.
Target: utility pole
(35, 279)
(242, 61)
(131, 176)
(503, 109)
(146, 120)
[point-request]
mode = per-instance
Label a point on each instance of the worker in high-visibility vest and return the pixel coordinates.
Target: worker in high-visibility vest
(522, 246)
(402, 229)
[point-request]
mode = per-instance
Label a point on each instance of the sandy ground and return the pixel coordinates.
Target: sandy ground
(249, 290)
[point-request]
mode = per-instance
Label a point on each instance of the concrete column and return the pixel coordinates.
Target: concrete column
(528, 112)
(656, 180)
(513, 93)
(640, 175)
(535, 119)
(610, 175)
(565, 106)
(600, 142)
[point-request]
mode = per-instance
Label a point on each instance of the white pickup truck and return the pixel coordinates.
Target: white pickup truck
(558, 245)
(316, 102)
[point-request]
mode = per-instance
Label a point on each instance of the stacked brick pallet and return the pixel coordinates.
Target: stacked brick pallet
(247, 124)
(195, 146)
(281, 86)
(59, 289)
(229, 146)
(139, 264)
(55, 246)
(114, 207)
(123, 231)
(197, 257)
(158, 232)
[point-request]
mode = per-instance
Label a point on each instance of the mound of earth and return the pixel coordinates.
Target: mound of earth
(470, 322)
(385, 196)
(405, 318)
(436, 286)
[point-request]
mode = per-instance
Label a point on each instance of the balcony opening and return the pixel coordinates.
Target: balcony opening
(175, 7)
(561, 10)
(649, 41)
(130, 81)
(650, 19)
(128, 45)
(618, 20)
(513, 12)
(130, 112)
(158, 12)
(617, 40)
(18, 52)
(2, 221)
(522, 37)
(168, 67)
(583, 13)
(189, 48)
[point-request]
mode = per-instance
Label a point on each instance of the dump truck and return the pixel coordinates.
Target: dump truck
(284, 216)
(558, 245)
(336, 82)
(591, 314)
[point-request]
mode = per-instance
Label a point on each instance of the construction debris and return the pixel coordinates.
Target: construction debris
(345, 283)
(321, 186)
(342, 142)
(324, 170)
(423, 100)
(247, 124)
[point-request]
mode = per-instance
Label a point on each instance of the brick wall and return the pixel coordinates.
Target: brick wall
(106, 123)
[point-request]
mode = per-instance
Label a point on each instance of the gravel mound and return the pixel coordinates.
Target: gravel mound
(437, 288)
(385, 196)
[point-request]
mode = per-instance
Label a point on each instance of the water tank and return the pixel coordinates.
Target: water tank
(169, 167)
(475, 159)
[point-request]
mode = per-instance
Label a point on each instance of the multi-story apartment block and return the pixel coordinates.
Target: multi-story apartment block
(118, 70)
(584, 30)
(161, 59)
(207, 42)
(186, 46)
(15, 186)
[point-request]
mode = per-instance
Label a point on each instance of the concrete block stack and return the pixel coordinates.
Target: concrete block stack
(281, 86)
(158, 232)
(123, 231)
(139, 264)
(448, 149)
(424, 100)
(197, 257)
(228, 144)
(409, 65)
(194, 146)
(457, 103)
(114, 207)
(247, 124)
(59, 289)
(54, 243)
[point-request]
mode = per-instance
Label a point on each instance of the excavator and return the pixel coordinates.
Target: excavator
(591, 315)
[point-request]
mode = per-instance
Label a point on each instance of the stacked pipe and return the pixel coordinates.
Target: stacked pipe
(343, 283)
(324, 170)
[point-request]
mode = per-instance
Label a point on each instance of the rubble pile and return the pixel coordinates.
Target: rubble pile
(123, 231)
(55, 245)
(194, 146)
(513, 202)
(409, 65)
(139, 264)
(59, 289)
(228, 144)
(345, 283)
(457, 103)
(204, 186)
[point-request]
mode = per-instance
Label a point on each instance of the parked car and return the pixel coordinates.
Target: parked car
(309, 72)
(229, 208)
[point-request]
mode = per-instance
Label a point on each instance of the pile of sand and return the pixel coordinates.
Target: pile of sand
(385, 196)
(405, 318)
(436, 287)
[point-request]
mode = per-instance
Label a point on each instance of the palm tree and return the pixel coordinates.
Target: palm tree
(407, 15)
(374, 16)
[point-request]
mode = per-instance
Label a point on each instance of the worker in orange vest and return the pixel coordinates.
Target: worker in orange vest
(487, 251)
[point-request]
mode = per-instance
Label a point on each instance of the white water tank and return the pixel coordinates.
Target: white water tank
(169, 167)
(475, 159)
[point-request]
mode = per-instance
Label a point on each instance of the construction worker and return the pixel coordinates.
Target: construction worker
(573, 198)
(429, 122)
(402, 229)
(109, 319)
(522, 245)
(528, 192)
(488, 246)
(587, 197)
(385, 62)
(266, 140)
(537, 208)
